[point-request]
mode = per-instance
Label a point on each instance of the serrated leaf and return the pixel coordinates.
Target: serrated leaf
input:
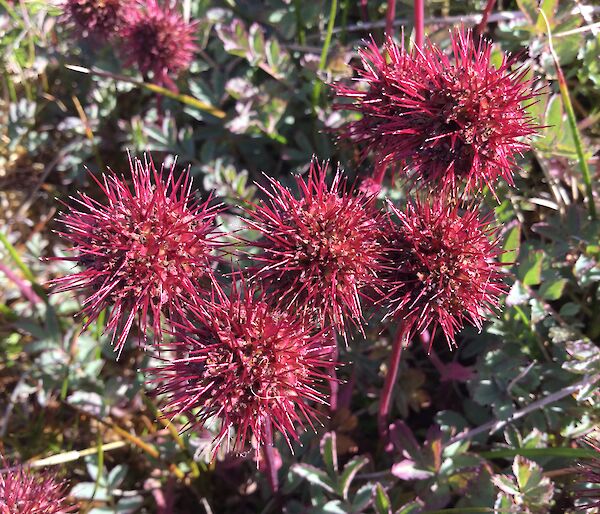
(350, 470)
(505, 484)
(315, 476)
(523, 470)
(382, 500)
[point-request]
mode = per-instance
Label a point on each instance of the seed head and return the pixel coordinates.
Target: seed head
(143, 251)
(25, 492)
(155, 38)
(247, 364)
(96, 18)
(441, 268)
(451, 121)
(588, 490)
(319, 252)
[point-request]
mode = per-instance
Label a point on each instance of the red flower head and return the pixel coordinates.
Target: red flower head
(590, 476)
(248, 364)
(157, 39)
(441, 269)
(97, 18)
(448, 120)
(25, 492)
(144, 251)
(321, 251)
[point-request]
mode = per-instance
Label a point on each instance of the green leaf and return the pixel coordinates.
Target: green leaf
(315, 476)
(414, 508)
(511, 246)
(530, 9)
(362, 498)
(505, 484)
(548, 7)
(329, 453)
(350, 470)
(531, 270)
(517, 295)
(553, 290)
(554, 114)
(382, 501)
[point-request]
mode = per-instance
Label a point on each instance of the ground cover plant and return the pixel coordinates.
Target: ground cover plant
(283, 256)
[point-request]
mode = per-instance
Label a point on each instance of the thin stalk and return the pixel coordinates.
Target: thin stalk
(173, 431)
(269, 454)
(364, 10)
(389, 18)
(419, 12)
(88, 130)
(566, 99)
(481, 26)
(299, 23)
(323, 62)
(26, 290)
(27, 273)
(390, 381)
(334, 384)
(345, 11)
(155, 88)
(494, 426)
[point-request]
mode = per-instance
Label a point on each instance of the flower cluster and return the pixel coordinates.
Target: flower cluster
(247, 363)
(25, 492)
(440, 268)
(450, 121)
(156, 39)
(588, 489)
(319, 252)
(146, 251)
(151, 35)
(254, 357)
(96, 18)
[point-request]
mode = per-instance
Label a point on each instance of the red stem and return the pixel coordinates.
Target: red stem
(480, 29)
(390, 379)
(379, 173)
(389, 18)
(269, 454)
(334, 384)
(26, 290)
(364, 11)
(419, 7)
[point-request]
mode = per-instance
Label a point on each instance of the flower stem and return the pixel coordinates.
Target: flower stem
(390, 381)
(333, 381)
(323, 62)
(481, 26)
(419, 11)
(299, 23)
(566, 100)
(269, 454)
(389, 18)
